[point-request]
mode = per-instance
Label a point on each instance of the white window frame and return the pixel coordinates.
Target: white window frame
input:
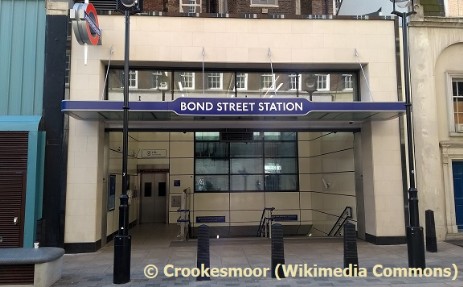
(211, 78)
(293, 82)
(269, 3)
(320, 86)
(190, 6)
(347, 80)
(244, 76)
(455, 128)
(190, 75)
(271, 87)
(133, 79)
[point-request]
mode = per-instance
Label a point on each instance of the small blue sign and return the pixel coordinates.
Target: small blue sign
(210, 219)
(285, 217)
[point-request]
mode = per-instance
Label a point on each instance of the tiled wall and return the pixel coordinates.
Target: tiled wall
(326, 167)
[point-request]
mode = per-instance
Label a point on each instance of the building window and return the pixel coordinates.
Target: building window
(215, 81)
(294, 82)
(267, 81)
(241, 81)
(347, 81)
(323, 82)
(159, 80)
(190, 6)
(188, 80)
(133, 79)
(266, 161)
(457, 100)
(264, 2)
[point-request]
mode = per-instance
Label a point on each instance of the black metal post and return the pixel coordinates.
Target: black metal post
(415, 237)
(122, 241)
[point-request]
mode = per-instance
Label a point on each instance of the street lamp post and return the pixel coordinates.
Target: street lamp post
(415, 238)
(122, 241)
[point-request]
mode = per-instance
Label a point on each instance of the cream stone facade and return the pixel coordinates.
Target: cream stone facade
(359, 167)
(436, 45)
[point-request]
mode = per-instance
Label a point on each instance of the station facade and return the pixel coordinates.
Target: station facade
(229, 116)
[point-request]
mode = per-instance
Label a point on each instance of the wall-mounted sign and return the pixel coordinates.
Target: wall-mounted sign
(153, 153)
(285, 217)
(85, 24)
(210, 219)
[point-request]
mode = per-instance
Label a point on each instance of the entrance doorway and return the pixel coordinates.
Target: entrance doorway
(153, 197)
(457, 167)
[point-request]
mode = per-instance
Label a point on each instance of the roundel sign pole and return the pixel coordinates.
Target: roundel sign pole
(122, 240)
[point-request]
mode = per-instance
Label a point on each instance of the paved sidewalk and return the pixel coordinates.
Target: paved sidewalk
(154, 246)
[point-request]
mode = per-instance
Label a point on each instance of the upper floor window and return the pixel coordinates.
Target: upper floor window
(188, 80)
(264, 2)
(267, 81)
(133, 79)
(323, 82)
(241, 81)
(457, 101)
(190, 6)
(347, 78)
(294, 82)
(215, 81)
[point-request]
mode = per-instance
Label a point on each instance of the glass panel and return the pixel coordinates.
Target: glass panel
(280, 149)
(214, 81)
(211, 166)
(454, 88)
(151, 85)
(277, 136)
(259, 85)
(207, 136)
(246, 183)
(246, 166)
(277, 182)
(211, 149)
(253, 149)
(211, 183)
(329, 87)
(280, 165)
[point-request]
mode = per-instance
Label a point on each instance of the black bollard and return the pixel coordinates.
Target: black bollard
(431, 240)
(278, 251)
(350, 246)
(203, 256)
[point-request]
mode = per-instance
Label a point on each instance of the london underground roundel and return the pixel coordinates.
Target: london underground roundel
(85, 24)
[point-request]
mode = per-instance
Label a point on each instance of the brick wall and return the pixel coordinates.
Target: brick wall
(322, 7)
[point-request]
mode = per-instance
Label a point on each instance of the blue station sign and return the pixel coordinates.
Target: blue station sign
(254, 107)
(246, 106)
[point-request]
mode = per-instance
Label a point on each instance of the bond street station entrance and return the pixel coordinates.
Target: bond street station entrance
(231, 163)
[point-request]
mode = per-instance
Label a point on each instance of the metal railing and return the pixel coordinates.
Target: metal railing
(265, 225)
(184, 218)
(342, 219)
